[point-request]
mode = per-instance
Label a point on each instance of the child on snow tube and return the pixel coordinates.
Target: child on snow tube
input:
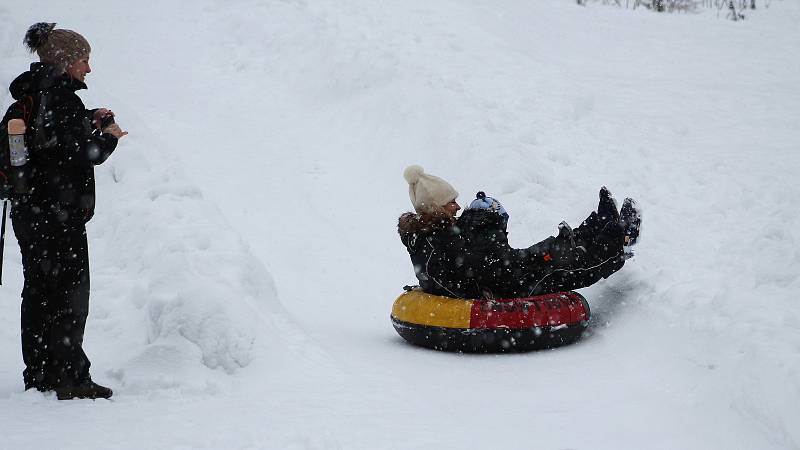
(469, 256)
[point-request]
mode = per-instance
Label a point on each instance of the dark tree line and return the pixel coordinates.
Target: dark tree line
(734, 8)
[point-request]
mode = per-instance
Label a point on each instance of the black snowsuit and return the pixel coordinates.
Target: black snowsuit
(470, 257)
(50, 226)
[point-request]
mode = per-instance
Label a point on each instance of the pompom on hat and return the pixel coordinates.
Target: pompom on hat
(428, 193)
(57, 47)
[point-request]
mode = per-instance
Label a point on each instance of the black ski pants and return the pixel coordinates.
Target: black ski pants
(55, 295)
(578, 258)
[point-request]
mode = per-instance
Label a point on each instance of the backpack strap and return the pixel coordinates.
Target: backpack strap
(27, 109)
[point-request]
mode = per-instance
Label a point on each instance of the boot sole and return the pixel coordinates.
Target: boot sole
(73, 396)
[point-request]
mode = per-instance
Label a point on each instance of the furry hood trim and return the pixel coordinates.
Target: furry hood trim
(409, 222)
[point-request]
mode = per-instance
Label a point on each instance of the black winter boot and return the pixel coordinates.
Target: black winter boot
(607, 208)
(86, 389)
(631, 221)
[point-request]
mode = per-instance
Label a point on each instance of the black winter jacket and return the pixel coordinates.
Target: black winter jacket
(470, 257)
(63, 148)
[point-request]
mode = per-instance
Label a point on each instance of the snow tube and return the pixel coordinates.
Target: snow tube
(490, 326)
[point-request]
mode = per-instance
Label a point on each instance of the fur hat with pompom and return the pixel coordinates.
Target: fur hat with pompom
(428, 193)
(56, 46)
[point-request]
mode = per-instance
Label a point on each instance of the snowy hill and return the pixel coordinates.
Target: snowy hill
(244, 252)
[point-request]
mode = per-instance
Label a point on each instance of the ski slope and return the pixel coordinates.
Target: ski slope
(245, 257)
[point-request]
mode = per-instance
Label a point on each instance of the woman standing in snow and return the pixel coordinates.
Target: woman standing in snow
(64, 142)
(469, 256)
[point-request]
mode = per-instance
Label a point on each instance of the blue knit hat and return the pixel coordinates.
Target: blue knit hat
(483, 202)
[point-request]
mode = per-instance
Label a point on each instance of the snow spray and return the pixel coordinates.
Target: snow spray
(18, 155)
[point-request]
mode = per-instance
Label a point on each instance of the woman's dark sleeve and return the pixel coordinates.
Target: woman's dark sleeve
(73, 129)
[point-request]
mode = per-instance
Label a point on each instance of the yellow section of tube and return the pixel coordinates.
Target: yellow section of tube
(432, 310)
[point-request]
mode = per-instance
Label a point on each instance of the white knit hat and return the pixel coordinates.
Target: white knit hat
(428, 193)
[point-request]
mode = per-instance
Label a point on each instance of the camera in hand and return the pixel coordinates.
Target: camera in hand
(106, 121)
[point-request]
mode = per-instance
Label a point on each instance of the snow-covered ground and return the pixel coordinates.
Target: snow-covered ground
(245, 256)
